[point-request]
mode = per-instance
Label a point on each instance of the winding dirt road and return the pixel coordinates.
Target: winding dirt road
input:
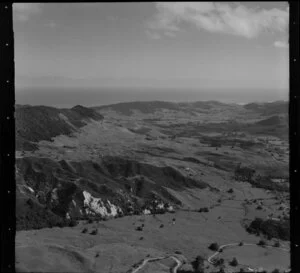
(144, 262)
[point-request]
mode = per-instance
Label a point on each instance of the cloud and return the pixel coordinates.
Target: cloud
(234, 18)
(281, 44)
(153, 35)
(51, 24)
(22, 11)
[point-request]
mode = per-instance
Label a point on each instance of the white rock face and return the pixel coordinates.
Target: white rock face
(96, 206)
(170, 208)
(29, 188)
(54, 196)
(160, 206)
(74, 203)
(146, 211)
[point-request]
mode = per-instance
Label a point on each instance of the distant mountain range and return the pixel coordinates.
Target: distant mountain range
(126, 108)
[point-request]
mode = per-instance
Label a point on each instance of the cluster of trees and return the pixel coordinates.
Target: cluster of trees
(270, 228)
(244, 174)
(265, 182)
(205, 209)
(36, 216)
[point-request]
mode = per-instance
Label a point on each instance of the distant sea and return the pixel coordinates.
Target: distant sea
(69, 97)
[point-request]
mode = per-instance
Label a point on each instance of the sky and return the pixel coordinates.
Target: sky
(163, 45)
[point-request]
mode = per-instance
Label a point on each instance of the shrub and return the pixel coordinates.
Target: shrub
(72, 223)
(139, 229)
(241, 244)
(214, 247)
(90, 221)
(85, 230)
(161, 226)
(94, 232)
(261, 243)
(276, 271)
(230, 191)
(276, 244)
(29, 202)
(219, 262)
(234, 262)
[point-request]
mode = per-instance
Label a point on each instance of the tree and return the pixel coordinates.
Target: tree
(261, 243)
(234, 262)
(214, 247)
(198, 264)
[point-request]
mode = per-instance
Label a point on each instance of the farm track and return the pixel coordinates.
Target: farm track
(209, 259)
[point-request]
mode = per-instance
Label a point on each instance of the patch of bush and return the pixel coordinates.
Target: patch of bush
(219, 262)
(244, 174)
(270, 228)
(276, 244)
(198, 264)
(221, 270)
(265, 182)
(205, 209)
